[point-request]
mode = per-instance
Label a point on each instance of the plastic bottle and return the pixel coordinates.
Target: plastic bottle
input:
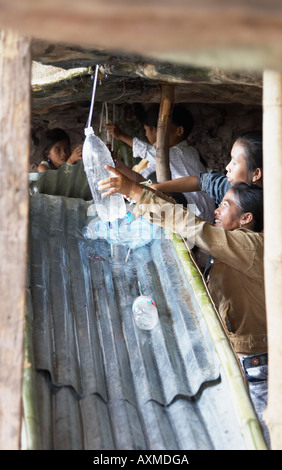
(95, 229)
(145, 312)
(95, 156)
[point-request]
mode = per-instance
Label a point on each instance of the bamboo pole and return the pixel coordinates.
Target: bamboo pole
(272, 150)
(15, 80)
(243, 407)
(162, 148)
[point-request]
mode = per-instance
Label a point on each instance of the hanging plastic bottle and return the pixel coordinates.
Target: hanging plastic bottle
(95, 156)
(145, 312)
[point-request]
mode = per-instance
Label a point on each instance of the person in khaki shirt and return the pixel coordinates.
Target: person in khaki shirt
(236, 281)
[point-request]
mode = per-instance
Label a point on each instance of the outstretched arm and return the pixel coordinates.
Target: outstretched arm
(179, 185)
(119, 183)
(131, 174)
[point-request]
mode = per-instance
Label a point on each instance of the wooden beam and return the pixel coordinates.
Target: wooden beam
(15, 79)
(272, 172)
(162, 148)
(231, 32)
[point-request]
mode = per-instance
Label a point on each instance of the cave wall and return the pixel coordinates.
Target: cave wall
(215, 128)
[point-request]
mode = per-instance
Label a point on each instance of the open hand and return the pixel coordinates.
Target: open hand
(76, 155)
(119, 183)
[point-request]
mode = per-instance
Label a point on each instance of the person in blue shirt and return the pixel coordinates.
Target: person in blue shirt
(246, 165)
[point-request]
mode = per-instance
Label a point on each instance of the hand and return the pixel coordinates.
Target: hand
(119, 183)
(114, 130)
(76, 155)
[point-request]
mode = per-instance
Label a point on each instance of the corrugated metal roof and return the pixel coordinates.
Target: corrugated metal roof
(98, 381)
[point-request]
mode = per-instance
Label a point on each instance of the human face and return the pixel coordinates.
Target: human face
(151, 134)
(237, 167)
(59, 153)
(228, 215)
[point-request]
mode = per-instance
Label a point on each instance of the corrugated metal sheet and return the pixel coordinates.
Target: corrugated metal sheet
(98, 381)
(69, 180)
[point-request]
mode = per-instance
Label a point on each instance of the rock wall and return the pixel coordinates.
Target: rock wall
(215, 129)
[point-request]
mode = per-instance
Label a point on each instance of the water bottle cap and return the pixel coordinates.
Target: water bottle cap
(86, 232)
(88, 131)
(143, 298)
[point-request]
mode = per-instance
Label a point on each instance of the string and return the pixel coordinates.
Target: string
(101, 117)
(93, 97)
(114, 118)
(107, 121)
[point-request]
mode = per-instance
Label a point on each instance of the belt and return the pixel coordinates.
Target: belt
(254, 361)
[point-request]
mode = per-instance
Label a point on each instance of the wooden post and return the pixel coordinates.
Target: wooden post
(162, 149)
(15, 84)
(272, 149)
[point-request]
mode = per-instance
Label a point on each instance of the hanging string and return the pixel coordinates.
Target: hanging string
(107, 121)
(104, 106)
(114, 119)
(93, 97)
(139, 288)
(101, 117)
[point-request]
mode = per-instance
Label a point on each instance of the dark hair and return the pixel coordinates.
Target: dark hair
(252, 142)
(180, 116)
(250, 199)
(151, 116)
(52, 136)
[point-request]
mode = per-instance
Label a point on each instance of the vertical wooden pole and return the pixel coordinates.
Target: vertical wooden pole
(272, 149)
(15, 71)
(162, 149)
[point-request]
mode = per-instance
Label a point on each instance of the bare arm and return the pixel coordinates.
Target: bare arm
(42, 168)
(179, 185)
(119, 183)
(131, 174)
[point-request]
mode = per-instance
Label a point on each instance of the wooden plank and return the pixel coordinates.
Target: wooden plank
(15, 76)
(272, 171)
(162, 147)
(157, 27)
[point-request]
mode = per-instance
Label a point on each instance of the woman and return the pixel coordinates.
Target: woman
(236, 280)
(246, 165)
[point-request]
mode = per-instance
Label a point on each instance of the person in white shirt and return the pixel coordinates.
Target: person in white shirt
(183, 158)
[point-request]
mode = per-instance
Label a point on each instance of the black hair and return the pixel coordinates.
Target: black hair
(52, 136)
(151, 116)
(250, 199)
(180, 116)
(252, 142)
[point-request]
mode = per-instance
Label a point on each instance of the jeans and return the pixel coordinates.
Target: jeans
(255, 369)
